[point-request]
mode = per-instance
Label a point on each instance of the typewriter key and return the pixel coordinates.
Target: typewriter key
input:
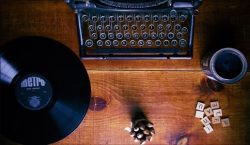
(132, 43)
(99, 43)
(115, 42)
(124, 43)
(89, 43)
(170, 35)
(182, 43)
(107, 43)
(158, 42)
(140, 42)
(174, 43)
(119, 35)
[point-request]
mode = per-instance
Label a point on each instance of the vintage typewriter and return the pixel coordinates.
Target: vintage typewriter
(135, 29)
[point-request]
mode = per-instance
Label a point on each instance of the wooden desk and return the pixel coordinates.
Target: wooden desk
(167, 90)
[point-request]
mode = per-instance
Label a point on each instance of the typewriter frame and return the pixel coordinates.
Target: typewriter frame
(93, 5)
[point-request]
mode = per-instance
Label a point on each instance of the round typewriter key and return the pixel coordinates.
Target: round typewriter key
(158, 42)
(89, 43)
(174, 43)
(156, 18)
(119, 36)
(160, 27)
(134, 27)
(147, 18)
(179, 35)
(129, 18)
(125, 27)
(164, 18)
(153, 35)
(143, 27)
(162, 35)
(173, 13)
(108, 27)
(99, 43)
(145, 35)
(140, 42)
(151, 27)
(177, 27)
(127, 35)
(85, 18)
(138, 18)
(99, 28)
(124, 43)
(107, 43)
(182, 18)
(136, 36)
(166, 43)
(170, 35)
(183, 43)
(111, 35)
(111, 18)
(94, 36)
(94, 18)
(168, 27)
(121, 18)
(103, 18)
(103, 36)
(117, 27)
(91, 28)
(115, 42)
(132, 43)
(149, 43)
(184, 30)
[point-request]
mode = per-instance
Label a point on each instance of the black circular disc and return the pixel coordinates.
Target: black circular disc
(44, 91)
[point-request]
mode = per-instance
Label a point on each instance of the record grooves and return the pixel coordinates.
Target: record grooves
(44, 91)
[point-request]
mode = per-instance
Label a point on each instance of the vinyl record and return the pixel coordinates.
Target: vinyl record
(44, 91)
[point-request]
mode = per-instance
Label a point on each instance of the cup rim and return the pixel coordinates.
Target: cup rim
(242, 59)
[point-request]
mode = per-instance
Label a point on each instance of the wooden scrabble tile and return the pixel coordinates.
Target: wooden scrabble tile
(216, 120)
(208, 129)
(225, 122)
(199, 114)
(208, 111)
(205, 121)
(215, 105)
(217, 112)
(200, 106)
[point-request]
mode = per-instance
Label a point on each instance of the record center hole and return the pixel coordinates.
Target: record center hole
(97, 103)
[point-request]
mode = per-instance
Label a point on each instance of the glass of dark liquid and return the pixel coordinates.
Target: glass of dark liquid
(226, 66)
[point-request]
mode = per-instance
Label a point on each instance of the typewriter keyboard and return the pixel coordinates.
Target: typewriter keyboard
(128, 30)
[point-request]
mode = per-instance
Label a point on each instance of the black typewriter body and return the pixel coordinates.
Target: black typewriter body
(135, 29)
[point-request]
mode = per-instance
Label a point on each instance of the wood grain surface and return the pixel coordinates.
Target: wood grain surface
(166, 90)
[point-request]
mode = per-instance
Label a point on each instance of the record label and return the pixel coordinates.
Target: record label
(33, 92)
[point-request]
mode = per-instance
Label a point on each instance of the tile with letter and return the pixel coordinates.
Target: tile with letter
(208, 129)
(217, 112)
(199, 114)
(200, 106)
(205, 121)
(225, 122)
(215, 105)
(216, 120)
(208, 111)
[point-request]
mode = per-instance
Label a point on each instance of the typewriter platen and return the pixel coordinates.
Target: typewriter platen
(135, 29)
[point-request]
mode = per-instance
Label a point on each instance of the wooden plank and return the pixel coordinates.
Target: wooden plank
(219, 24)
(169, 100)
